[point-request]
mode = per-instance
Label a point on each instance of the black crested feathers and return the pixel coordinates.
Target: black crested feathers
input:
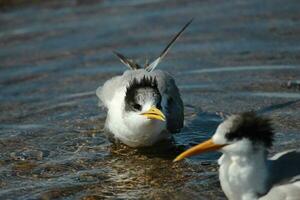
(255, 128)
(135, 84)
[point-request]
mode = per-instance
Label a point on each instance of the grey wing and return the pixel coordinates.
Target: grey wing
(284, 176)
(288, 191)
(174, 104)
(284, 166)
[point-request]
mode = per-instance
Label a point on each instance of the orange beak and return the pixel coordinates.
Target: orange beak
(206, 146)
(154, 113)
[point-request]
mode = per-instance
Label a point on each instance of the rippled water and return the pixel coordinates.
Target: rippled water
(236, 56)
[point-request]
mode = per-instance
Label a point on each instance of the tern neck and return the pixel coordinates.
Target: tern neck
(244, 176)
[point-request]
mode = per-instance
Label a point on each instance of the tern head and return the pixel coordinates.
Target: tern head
(239, 134)
(143, 103)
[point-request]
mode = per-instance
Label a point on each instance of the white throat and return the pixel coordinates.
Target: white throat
(243, 176)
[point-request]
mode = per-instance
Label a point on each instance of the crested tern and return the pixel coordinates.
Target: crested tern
(143, 104)
(245, 172)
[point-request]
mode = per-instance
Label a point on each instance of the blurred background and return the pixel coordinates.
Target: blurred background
(237, 55)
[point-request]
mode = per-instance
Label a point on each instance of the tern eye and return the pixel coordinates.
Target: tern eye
(158, 106)
(137, 106)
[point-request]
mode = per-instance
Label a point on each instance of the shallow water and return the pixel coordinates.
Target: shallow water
(236, 56)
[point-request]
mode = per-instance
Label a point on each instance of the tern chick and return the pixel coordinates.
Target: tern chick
(245, 172)
(143, 105)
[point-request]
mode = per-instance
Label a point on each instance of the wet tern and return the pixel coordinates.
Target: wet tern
(245, 172)
(143, 104)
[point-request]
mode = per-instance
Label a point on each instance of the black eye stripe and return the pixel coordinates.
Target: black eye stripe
(253, 127)
(136, 84)
(140, 91)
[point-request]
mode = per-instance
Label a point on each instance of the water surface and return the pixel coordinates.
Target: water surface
(236, 56)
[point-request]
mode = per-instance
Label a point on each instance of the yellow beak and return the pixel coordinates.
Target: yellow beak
(154, 113)
(206, 146)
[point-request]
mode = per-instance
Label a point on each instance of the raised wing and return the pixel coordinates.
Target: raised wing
(131, 64)
(154, 64)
